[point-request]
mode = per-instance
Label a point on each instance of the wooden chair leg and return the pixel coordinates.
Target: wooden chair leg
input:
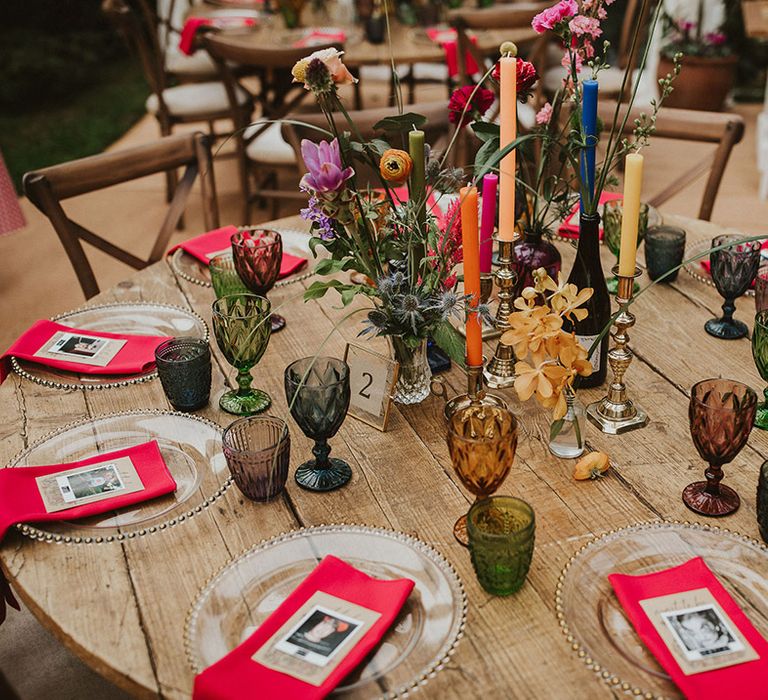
(5, 689)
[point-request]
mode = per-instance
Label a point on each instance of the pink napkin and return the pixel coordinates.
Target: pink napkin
(237, 675)
(570, 227)
(136, 355)
(447, 38)
(320, 37)
(746, 681)
(11, 216)
(204, 246)
(193, 25)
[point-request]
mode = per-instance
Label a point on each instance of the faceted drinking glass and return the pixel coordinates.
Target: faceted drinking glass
(258, 254)
(224, 277)
(721, 414)
(318, 393)
(664, 251)
(184, 368)
(732, 269)
(501, 535)
(482, 441)
(242, 330)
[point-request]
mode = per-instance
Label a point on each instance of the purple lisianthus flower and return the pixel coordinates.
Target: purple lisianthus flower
(323, 161)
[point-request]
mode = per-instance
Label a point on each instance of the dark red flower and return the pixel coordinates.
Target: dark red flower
(481, 103)
(526, 78)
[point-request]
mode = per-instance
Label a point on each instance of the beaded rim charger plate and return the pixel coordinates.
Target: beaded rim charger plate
(248, 589)
(138, 317)
(594, 623)
(190, 446)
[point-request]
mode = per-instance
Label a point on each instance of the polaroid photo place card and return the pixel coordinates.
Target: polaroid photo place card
(697, 631)
(81, 348)
(83, 485)
(316, 638)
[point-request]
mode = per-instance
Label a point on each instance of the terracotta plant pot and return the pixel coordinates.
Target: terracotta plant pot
(703, 83)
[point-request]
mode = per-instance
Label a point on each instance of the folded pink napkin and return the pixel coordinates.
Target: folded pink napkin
(320, 37)
(570, 227)
(208, 245)
(194, 24)
(447, 38)
(77, 350)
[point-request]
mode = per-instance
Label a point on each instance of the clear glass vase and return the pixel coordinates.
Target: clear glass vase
(415, 374)
(566, 437)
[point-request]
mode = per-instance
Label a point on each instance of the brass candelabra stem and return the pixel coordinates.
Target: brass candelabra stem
(476, 394)
(616, 413)
(500, 372)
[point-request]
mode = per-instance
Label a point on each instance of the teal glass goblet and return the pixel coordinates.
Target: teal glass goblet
(318, 393)
(760, 355)
(612, 217)
(242, 330)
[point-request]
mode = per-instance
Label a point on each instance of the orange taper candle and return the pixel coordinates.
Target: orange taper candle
(470, 236)
(508, 128)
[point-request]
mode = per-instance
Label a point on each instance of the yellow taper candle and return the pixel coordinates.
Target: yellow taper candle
(508, 128)
(630, 216)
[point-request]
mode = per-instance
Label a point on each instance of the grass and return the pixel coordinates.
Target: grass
(85, 123)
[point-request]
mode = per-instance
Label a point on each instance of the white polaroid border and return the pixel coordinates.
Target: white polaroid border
(670, 619)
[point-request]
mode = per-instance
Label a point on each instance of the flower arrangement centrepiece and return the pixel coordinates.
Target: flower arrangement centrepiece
(552, 357)
(368, 207)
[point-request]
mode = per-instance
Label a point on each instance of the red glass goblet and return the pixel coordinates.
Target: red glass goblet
(257, 254)
(721, 414)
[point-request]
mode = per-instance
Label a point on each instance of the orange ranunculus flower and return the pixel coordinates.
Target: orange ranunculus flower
(395, 166)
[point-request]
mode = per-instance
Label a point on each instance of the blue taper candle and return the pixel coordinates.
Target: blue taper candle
(589, 124)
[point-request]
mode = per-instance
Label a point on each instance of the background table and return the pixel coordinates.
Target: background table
(121, 607)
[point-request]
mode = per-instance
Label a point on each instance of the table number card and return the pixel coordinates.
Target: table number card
(89, 484)
(316, 638)
(372, 379)
(81, 348)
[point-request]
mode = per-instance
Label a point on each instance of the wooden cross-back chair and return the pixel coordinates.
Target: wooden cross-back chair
(722, 130)
(261, 149)
(46, 188)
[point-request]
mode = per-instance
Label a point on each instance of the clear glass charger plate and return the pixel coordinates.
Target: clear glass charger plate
(248, 589)
(596, 626)
(132, 318)
(190, 446)
(698, 272)
(190, 269)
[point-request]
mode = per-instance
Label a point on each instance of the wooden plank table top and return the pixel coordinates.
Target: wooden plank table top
(121, 606)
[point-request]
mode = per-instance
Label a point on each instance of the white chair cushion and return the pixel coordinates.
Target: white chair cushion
(382, 72)
(609, 79)
(199, 64)
(195, 98)
(431, 71)
(269, 147)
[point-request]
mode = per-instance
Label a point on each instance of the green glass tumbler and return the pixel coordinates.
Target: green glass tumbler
(501, 533)
(242, 329)
(224, 278)
(613, 212)
(760, 355)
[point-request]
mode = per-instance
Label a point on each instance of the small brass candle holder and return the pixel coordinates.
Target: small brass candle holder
(616, 413)
(476, 393)
(500, 372)
(486, 289)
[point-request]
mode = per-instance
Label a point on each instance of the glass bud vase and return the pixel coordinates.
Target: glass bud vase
(533, 252)
(566, 436)
(414, 376)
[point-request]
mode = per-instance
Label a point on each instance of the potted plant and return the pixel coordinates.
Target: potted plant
(709, 64)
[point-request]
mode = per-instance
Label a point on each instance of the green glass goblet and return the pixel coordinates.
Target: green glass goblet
(317, 390)
(760, 354)
(612, 217)
(242, 329)
(224, 277)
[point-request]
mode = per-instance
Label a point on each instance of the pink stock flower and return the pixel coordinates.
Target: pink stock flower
(544, 115)
(601, 13)
(326, 170)
(582, 25)
(552, 16)
(578, 61)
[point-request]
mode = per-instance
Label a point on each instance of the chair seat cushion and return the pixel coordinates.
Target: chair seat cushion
(382, 72)
(198, 65)
(609, 79)
(269, 147)
(431, 71)
(195, 98)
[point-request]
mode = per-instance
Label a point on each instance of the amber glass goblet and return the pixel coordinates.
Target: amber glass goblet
(482, 440)
(760, 354)
(258, 254)
(732, 270)
(318, 393)
(721, 414)
(242, 330)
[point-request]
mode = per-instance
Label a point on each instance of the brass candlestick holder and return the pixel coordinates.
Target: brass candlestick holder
(476, 393)
(500, 372)
(486, 289)
(616, 413)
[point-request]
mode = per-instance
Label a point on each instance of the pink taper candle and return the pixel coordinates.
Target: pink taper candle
(490, 183)
(508, 124)
(471, 243)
